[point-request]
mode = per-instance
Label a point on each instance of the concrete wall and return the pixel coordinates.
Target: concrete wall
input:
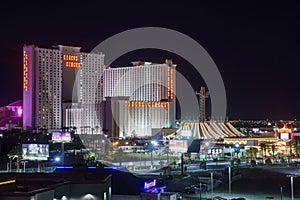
(47, 195)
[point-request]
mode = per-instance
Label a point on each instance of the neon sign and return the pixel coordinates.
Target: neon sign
(158, 104)
(284, 130)
(25, 71)
(148, 185)
(71, 61)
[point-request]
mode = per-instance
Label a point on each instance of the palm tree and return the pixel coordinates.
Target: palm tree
(89, 157)
(296, 146)
(263, 148)
(253, 151)
(15, 153)
(273, 148)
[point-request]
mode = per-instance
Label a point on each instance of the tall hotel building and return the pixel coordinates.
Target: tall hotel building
(139, 99)
(61, 88)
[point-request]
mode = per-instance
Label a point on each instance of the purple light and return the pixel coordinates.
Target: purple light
(20, 111)
(151, 184)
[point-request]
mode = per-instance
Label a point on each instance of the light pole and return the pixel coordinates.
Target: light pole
(229, 180)
(237, 150)
(10, 163)
(230, 153)
(140, 159)
(281, 187)
(212, 184)
(200, 184)
(292, 185)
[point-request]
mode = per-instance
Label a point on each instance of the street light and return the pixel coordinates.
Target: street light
(281, 188)
(292, 185)
(57, 159)
(212, 184)
(154, 143)
(229, 180)
(200, 184)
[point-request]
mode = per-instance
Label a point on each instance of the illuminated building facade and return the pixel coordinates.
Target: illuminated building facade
(64, 87)
(61, 87)
(11, 116)
(140, 98)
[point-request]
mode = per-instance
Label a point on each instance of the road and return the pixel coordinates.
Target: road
(255, 184)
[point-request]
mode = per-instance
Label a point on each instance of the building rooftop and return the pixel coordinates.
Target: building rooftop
(16, 103)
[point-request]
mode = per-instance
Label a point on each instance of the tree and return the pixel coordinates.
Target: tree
(89, 157)
(15, 153)
(296, 146)
(263, 148)
(252, 151)
(273, 148)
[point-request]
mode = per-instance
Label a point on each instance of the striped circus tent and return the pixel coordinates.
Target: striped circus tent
(207, 130)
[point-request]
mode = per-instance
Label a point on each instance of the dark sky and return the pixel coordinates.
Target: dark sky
(255, 46)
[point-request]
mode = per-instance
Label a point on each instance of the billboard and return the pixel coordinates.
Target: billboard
(178, 145)
(285, 136)
(35, 151)
(61, 136)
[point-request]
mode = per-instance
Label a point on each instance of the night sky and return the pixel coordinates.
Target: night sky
(255, 46)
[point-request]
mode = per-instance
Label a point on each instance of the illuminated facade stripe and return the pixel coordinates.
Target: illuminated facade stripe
(25, 71)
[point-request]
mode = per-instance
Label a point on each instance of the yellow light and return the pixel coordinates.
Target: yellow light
(25, 71)
(126, 143)
(7, 182)
(71, 61)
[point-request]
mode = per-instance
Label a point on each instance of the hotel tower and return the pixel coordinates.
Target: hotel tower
(139, 98)
(61, 88)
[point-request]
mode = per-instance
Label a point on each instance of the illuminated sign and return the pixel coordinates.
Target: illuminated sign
(285, 130)
(285, 136)
(35, 151)
(158, 104)
(252, 142)
(71, 61)
(25, 71)
(61, 136)
(214, 151)
(151, 184)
